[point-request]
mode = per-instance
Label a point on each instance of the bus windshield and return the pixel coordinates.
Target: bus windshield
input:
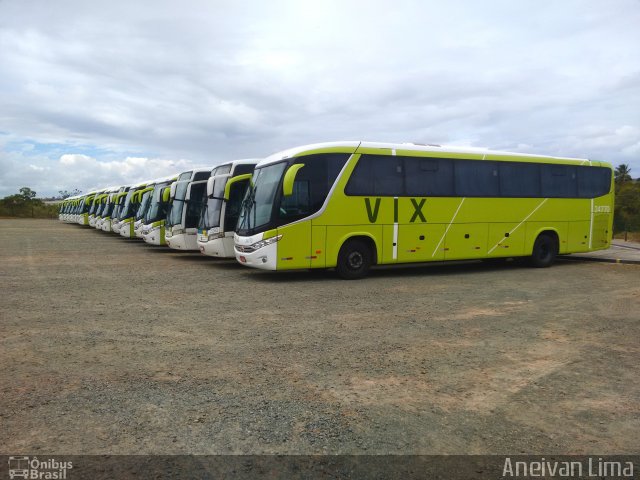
(144, 205)
(127, 211)
(157, 209)
(257, 205)
(94, 205)
(116, 211)
(210, 217)
(174, 214)
(107, 210)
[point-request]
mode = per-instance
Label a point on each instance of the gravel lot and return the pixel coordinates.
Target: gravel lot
(112, 346)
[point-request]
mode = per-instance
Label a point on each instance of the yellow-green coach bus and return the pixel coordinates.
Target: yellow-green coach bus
(350, 205)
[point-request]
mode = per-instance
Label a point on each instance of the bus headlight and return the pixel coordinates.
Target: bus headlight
(258, 245)
(215, 236)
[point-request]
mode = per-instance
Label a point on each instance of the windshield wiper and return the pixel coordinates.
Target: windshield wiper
(247, 206)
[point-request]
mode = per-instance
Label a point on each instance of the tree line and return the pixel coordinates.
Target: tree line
(25, 204)
(626, 216)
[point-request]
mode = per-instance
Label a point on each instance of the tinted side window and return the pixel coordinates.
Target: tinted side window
(194, 206)
(593, 181)
(201, 176)
(242, 169)
(388, 176)
(377, 175)
(312, 185)
(519, 179)
(221, 170)
(559, 181)
(476, 178)
(232, 206)
(428, 177)
(361, 180)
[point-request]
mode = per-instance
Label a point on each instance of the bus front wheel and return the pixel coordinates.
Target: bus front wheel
(354, 260)
(545, 250)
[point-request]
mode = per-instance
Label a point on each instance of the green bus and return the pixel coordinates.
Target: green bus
(351, 205)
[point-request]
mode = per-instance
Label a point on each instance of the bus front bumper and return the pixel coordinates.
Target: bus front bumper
(218, 247)
(154, 235)
(265, 258)
(126, 230)
(182, 241)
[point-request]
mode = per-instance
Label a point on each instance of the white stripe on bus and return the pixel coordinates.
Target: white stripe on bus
(447, 229)
(518, 226)
(395, 230)
(591, 226)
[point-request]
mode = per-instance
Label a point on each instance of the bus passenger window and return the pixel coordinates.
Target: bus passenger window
(559, 181)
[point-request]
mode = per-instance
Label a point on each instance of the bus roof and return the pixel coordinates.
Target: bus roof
(242, 161)
(347, 146)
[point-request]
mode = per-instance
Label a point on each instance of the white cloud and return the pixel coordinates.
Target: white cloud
(88, 173)
(81, 171)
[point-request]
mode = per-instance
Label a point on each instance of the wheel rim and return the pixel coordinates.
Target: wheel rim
(355, 260)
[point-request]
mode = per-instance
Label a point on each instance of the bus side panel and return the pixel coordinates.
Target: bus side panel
(337, 235)
(601, 231)
(501, 245)
(466, 240)
(296, 242)
(318, 246)
(387, 245)
(602, 222)
(421, 242)
(578, 237)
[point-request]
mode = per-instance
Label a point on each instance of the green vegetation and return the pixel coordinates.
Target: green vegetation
(25, 204)
(627, 208)
(62, 194)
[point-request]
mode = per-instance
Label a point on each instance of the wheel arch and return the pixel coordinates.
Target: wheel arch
(553, 231)
(365, 237)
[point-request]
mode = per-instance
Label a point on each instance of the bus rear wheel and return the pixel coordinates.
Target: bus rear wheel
(544, 252)
(354, 260)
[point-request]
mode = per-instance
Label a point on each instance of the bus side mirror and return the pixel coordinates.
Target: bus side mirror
(187, 197)
(210, 187)
(290, 178)
(232, 181)
(166, 194)
(142, 192)
(172, 192)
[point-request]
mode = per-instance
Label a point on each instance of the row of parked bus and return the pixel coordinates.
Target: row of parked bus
(194, 210)
(350, 205)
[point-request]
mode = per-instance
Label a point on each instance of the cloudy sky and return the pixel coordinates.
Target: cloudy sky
(94, 93)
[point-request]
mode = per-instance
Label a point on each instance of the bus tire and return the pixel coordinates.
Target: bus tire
(544, 252)
(354, 260)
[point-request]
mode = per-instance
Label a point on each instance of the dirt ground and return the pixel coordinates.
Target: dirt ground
(112, 346)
